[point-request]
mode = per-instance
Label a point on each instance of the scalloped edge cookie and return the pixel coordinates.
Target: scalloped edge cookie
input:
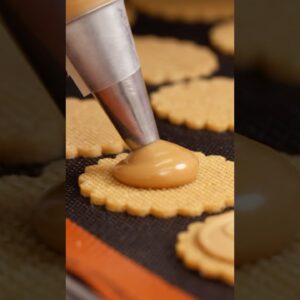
(212, 191)
(188, 249)
(167, 59)
(198, 104)
(89, 132)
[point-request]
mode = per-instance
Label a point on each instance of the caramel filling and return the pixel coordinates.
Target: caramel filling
(77, 8)
(158, 165)
(217, 237)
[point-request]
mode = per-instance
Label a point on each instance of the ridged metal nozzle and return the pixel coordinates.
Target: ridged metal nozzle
(100, 47)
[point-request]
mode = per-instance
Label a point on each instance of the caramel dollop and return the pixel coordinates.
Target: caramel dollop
(160, 164)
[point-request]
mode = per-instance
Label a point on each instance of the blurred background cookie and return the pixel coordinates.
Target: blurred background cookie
(186, 10)
(222, 37)
(166, 59)
(197, 104)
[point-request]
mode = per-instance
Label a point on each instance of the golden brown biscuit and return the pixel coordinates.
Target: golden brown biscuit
(202, 103)
(222, 37)
(187, 10)
(168, 59)
(212, 190)
(208, 247)
(89, 132)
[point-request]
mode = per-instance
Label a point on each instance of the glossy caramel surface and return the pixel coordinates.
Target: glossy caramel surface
(158, 165)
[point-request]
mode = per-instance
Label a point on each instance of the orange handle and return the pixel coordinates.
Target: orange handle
(111, 274)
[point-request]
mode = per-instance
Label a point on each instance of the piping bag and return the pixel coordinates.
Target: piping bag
(102, 60)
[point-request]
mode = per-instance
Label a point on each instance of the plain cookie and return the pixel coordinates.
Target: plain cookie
(198, 104)
(168, 59)
(212, 191)
(89, 132)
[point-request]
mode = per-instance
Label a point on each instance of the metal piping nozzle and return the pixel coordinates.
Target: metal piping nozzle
(101, 49)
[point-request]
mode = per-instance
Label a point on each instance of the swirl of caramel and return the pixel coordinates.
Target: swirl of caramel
(216, 237)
